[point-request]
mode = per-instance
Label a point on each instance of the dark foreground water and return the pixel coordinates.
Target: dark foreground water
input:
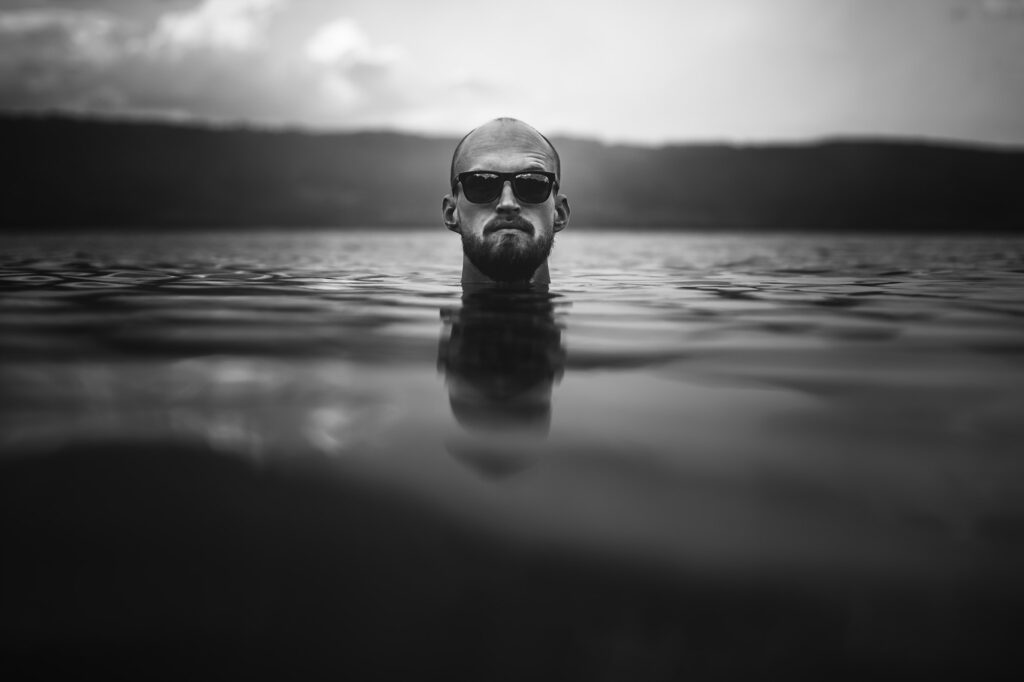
(693, 457)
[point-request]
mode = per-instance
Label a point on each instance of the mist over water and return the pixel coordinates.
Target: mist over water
(813, 415)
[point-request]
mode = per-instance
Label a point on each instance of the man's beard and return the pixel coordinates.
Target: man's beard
(507, 257)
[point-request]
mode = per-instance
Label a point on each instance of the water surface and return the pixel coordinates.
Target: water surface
(841, 414)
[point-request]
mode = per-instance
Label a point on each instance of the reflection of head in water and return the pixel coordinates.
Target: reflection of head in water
(501, 356)
(505, 202)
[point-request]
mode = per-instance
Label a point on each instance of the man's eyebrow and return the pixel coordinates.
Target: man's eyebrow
(534, 166)
(528, 168)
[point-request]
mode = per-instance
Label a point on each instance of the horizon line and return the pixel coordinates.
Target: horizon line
(190, 121)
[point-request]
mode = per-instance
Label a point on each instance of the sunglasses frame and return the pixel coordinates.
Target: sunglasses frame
(508, 177)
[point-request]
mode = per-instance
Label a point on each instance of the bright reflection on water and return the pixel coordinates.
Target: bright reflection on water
(813, 407)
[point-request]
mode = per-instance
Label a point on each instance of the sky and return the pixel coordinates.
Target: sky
(643, 71)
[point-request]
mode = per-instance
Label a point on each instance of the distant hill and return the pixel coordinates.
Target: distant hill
(64, 172)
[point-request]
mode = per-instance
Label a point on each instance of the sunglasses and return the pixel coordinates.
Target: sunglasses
(483, 187)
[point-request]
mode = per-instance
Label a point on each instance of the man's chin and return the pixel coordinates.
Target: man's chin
(510, 242)
(507, 255)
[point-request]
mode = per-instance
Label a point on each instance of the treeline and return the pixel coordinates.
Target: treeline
(64, 172)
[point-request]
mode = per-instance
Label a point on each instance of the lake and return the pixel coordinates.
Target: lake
(693, 455)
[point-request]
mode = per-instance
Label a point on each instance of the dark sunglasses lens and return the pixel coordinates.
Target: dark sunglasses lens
(481, 188)
(532, 188)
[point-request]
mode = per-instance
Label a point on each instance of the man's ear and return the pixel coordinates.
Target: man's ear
(561, 212)
(450, 213)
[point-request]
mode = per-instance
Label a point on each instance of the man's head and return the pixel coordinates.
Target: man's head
(507, 222)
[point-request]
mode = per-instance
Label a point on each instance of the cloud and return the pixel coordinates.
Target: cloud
(87, 36)
(343, 43)
(219, 59)
(992, 9)
(50, 57)
(219, 24)
(1004, 8)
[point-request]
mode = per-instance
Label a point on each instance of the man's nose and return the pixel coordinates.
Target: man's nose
(507, 201)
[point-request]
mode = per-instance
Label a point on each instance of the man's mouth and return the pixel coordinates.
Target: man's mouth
(498, 225)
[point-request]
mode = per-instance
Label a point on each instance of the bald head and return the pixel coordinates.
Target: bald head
(500, 136)
(505, 237)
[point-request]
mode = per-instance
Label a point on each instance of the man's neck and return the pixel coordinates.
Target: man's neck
(471, 275)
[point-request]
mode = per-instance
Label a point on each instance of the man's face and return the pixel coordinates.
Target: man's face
(507, 239)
